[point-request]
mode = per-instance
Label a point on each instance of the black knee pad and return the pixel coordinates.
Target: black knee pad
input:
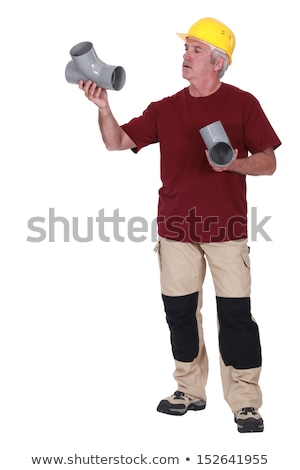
(181, 318)
(238, 336)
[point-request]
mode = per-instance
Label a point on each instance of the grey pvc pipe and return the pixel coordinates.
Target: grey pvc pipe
(85, 65)
(220, 151)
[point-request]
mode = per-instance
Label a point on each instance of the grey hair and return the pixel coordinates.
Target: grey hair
(217, 54)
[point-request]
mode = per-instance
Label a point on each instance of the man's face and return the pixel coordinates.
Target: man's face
(196, 60)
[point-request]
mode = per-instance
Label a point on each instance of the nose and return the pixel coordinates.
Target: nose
(187, 55)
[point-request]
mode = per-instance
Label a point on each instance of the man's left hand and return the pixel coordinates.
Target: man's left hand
(219, 169)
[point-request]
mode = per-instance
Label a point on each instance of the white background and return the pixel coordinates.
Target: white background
(85, 354)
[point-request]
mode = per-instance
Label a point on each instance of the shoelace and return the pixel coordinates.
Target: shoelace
(247, 410)
(180, 395)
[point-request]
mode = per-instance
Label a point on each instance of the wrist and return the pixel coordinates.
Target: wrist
(104, 110)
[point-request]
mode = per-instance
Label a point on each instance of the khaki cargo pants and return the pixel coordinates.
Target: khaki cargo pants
(182, 273)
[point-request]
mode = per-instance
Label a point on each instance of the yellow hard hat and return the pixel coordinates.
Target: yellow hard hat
(213, 32)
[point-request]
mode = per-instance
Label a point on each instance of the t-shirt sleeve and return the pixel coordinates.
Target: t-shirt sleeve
(258, 132)
(143, 129)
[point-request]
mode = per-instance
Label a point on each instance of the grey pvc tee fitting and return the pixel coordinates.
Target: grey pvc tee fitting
(220, 151)
(85, 65)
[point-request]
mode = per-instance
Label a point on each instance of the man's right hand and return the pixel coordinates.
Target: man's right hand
(94, 93)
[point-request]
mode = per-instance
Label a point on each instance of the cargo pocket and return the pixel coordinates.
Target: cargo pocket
(157, 250)
(245, 256)
(245, 271)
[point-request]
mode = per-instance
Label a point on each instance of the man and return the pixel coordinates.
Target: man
(202, 217)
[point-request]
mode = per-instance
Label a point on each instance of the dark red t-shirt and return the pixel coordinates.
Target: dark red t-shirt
(197, 204)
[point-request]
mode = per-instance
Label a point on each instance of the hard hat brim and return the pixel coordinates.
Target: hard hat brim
(182, 36)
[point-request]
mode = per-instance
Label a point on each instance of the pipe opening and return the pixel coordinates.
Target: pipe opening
(81, 48)
(118, 78)
(221, 153)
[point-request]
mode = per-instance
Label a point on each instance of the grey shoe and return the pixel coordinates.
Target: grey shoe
(249, 420)
(179, 403)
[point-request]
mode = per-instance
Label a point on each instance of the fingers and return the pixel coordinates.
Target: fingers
(91, 90)
(220, 169)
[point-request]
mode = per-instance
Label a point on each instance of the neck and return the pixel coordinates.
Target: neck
(204, 89)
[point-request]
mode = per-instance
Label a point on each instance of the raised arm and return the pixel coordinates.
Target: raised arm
(113, 135)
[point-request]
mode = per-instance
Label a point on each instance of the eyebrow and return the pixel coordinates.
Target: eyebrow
(195, 46)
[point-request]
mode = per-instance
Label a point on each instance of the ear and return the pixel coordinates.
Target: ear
(218, 63)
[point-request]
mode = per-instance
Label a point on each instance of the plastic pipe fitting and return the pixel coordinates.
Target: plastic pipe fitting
(85, 65)
(220, 151)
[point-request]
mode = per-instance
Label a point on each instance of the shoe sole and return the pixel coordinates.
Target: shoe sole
(250, 425)
(166, 407)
